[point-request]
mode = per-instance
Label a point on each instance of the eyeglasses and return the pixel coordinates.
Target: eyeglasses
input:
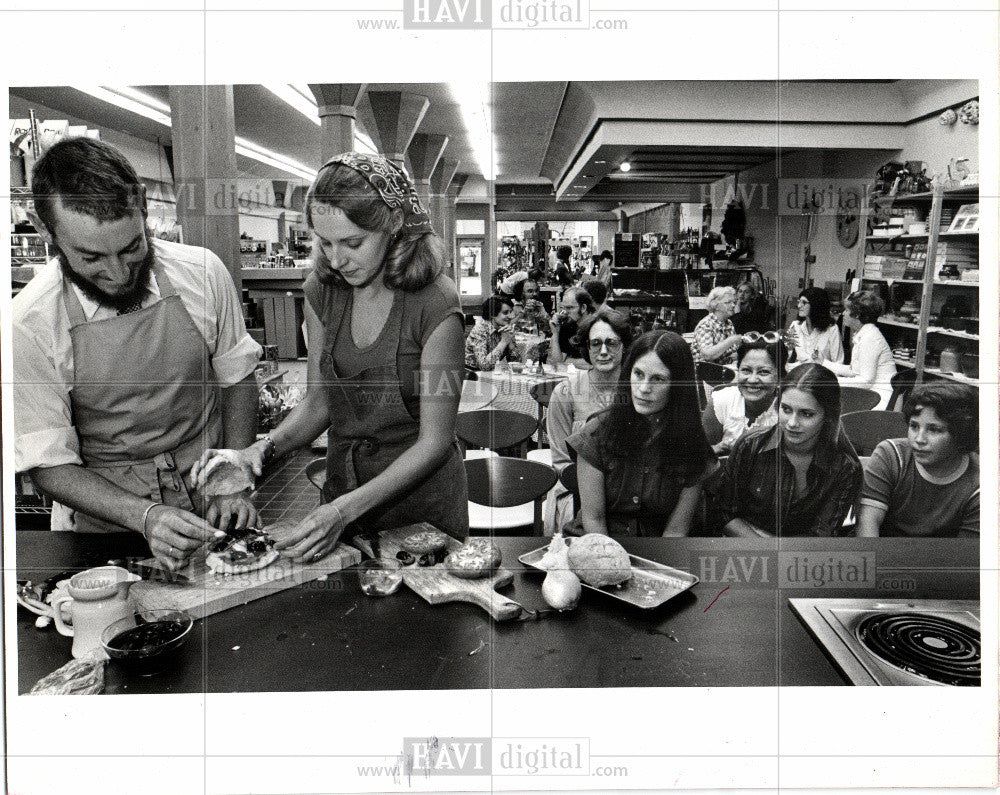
(612, 345)
(770, 337)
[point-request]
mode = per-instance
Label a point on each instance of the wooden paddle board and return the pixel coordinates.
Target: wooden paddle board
(437, 586)
(209, 593)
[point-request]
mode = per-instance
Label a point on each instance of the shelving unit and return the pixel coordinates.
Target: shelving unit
(27, 249)
(930, 288)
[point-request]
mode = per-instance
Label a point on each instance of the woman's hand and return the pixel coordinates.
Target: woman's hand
(316, 535)
(250, 459)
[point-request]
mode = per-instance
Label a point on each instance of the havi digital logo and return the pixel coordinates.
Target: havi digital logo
(448, 14)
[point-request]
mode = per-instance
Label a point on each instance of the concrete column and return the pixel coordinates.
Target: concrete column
(423, 154)
(450, 197)
(440, 180)
(204, 154)
(337, 113)
(391, 118)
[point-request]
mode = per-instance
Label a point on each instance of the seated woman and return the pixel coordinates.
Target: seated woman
(715, 338)
(575, 305)
(872, 365)
(492, 338)
(928, 483)
(814, 334)
(750, 403)
(799, 478)
(642, 462)
(528, 310)
(752, 310)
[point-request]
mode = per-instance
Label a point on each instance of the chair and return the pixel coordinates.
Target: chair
(709, 376)
(495, 429)
(866, 429)
(540, 393)
(502, 483)
(856, 398)
(902, 385)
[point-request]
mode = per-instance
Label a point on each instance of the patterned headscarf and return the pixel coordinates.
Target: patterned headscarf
(392, 185)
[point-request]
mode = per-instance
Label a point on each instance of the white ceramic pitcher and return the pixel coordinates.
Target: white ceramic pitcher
(97, 598)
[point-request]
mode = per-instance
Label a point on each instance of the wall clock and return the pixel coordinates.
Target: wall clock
(847, 228)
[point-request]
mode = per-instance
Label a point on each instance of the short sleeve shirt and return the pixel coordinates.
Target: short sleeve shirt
(639, 496)
(711, 331)
(915, 503)
(422, 312)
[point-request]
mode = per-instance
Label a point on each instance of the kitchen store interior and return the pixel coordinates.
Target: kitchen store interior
(837, 186)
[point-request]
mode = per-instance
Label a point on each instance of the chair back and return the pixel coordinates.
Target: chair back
(865, 429)
(856, 398)
(709, 376)
(501, 482)
(494, 429)
(902, 385)
(542, 391)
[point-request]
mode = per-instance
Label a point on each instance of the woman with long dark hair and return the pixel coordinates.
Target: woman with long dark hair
(642, 462)
(800, 477)
(814, 334)
(385, 333)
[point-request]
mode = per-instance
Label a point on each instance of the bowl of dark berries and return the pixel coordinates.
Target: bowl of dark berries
(149, 642)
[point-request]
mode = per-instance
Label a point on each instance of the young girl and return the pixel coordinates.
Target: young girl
(800, 477)
(641, 463)
(928, 483)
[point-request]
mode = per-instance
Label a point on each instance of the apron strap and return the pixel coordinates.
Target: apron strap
(72, 304)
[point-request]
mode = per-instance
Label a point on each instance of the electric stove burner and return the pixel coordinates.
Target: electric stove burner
(934, 647)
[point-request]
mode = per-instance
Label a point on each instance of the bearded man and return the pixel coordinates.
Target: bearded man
(131, 357)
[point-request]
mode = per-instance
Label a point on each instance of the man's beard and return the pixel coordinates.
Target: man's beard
(116, 301)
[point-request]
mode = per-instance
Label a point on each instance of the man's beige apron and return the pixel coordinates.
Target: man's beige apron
(145, 399)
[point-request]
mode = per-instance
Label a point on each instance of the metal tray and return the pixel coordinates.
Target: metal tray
(651, 585)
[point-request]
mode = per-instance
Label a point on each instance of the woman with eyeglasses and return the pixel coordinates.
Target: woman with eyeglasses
(642, 462)
(798, 478)
(814, 334)
(750, 403)
(605, 337)
(752, 310)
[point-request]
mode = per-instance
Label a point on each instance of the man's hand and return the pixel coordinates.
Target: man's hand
(237, 509)
(174, 534)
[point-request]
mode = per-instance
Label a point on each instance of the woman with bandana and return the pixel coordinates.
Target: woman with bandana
(385, 363)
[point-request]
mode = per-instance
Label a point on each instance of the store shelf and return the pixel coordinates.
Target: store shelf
(959, 377)
(945, 332)
(937, 282)
(970, 193)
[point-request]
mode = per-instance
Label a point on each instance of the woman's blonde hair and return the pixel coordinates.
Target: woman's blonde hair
(412, 261)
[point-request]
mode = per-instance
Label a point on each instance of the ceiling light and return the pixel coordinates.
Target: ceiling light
(151, 108)
(626, 166)
(474, 102)
(299, 97)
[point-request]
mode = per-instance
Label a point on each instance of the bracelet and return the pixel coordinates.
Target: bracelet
(145, 517)
(269, 447)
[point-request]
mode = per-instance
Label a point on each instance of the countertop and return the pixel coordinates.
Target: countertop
(735, 628)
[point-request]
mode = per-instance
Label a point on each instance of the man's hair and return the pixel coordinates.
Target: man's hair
(89, 177)
(598, 290)
(605, 255)
(957, 406)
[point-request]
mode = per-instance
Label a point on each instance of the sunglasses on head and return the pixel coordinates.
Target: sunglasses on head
(770, 337)
(613, 345)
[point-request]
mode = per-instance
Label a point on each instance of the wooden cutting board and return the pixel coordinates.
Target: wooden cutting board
(211, 593)
(437, 586)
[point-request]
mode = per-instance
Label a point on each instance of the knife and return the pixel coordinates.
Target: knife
(155, 573)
